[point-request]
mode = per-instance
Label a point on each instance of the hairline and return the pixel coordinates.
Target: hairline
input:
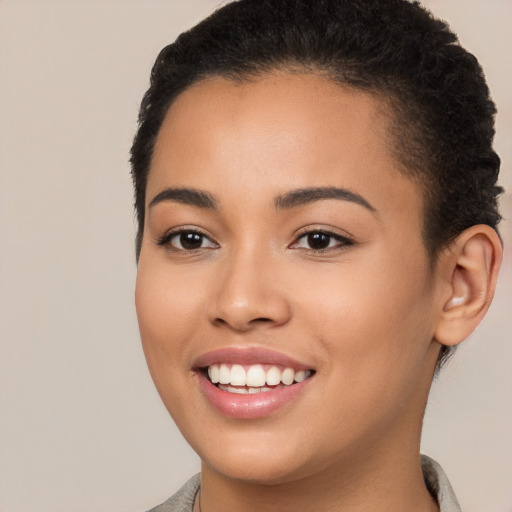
(388, 104)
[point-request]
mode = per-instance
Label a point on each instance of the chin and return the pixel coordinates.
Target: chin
(257, 472)
(253, 459)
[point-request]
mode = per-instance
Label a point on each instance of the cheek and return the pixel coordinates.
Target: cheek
(374, 321)
(165, 311)
(167, 315)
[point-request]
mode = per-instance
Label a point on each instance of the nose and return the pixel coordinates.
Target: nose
(248, 294)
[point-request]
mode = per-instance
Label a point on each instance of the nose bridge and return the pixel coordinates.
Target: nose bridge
(247, 291)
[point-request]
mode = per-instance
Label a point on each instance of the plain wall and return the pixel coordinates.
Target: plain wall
(81, 427)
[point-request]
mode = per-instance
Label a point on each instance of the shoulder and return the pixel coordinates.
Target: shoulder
(438, 485)
(183, 500)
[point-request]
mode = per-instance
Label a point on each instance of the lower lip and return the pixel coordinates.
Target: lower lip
(250, 406)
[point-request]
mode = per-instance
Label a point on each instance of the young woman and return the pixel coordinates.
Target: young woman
(316, 194)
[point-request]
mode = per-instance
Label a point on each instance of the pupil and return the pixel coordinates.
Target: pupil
(318, 240)
(191, 240)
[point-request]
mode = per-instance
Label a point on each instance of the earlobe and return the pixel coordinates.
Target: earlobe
(471, 270)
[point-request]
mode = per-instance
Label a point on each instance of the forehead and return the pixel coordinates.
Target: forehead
(277, 132)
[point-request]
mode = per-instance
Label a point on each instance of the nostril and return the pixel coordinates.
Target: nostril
(242, 326)
(255, 310)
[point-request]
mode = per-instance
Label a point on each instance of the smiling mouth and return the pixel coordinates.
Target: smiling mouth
(252, 379)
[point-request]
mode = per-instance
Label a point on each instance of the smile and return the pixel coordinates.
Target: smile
(251, 383)
(256, 378)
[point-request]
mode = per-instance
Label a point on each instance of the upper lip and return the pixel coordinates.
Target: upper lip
(249, 356)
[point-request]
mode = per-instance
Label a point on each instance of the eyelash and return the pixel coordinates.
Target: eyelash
(165, 240)
(342, 241)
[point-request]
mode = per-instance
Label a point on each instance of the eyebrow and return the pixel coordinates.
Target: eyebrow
(188, 196)
(293, 199)
(305, 196)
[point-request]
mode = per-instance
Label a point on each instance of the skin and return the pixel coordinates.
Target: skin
(363, 314)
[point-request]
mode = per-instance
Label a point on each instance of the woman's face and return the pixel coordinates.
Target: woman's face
(283, 244)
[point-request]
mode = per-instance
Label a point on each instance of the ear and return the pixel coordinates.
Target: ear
(469, 270)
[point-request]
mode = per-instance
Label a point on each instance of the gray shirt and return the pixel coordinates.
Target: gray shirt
(435, 479)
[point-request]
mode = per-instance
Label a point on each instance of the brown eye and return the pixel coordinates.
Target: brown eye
(187, 240)
(190, 241)
(321, 241)
(318, 241)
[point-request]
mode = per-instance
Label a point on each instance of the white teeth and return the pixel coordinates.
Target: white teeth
(224, 374)
(238, 376)
(274, 376)
(254, 378)
(243, 391)
(213, 373)
(300, 376)
(287, 376)
(240, 391)
(253, 391)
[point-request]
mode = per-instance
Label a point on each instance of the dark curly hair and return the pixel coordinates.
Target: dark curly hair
(441, 118)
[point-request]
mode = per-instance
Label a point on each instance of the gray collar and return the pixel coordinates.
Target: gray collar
(438, 485)
(435, 479)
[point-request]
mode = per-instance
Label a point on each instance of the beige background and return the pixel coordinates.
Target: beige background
(81, 427)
